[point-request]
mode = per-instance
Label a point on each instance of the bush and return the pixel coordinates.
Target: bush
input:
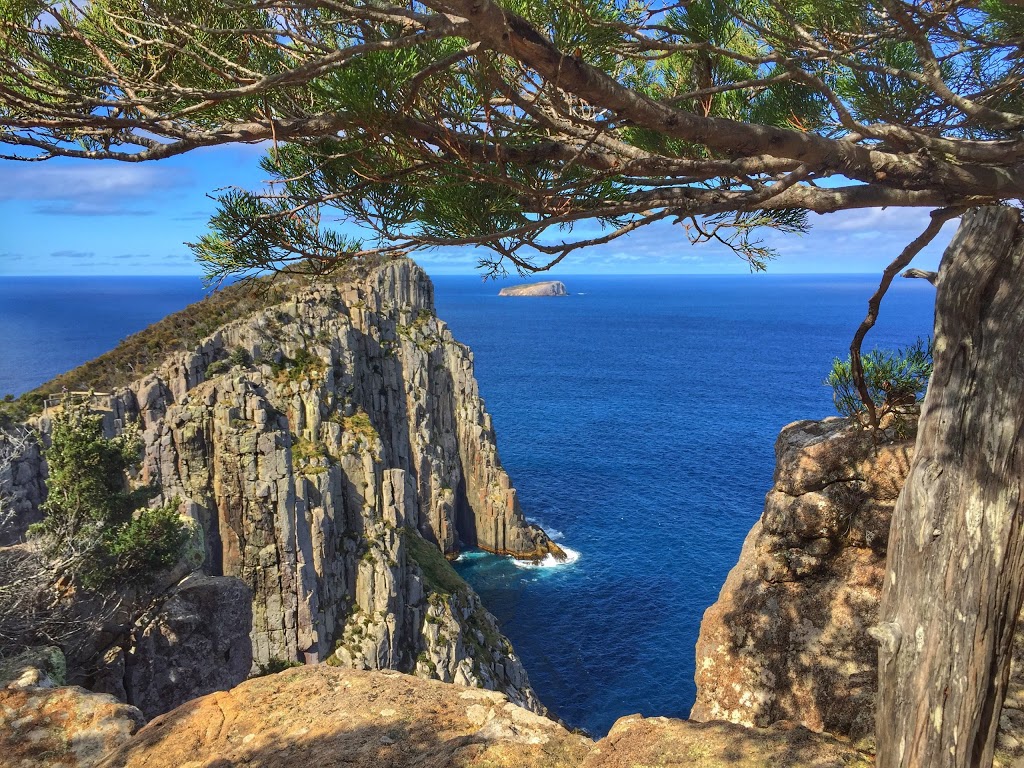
(96, 530)
(895, 380)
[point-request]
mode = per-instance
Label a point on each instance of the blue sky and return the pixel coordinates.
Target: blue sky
(79, 217)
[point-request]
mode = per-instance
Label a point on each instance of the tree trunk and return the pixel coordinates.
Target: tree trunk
(955, 573)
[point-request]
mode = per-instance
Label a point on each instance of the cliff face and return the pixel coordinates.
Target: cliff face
(787, 638)
(332, 447)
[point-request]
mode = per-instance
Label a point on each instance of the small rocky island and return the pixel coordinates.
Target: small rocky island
(545, 288)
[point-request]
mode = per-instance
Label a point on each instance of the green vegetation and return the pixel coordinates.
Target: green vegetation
(314, 458)
(274, 666)
(440, 577)
(96, 529)
(895, 380)
(359, 424)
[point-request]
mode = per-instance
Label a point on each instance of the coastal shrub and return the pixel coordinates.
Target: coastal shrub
(895, 380)
(96, 529)
(216, 368)
(240, 357)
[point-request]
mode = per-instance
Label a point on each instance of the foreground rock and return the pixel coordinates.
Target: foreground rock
(336, 718)
(197, 643)
(67, 727)
(330, 717)
(637, 742)
(787, 639)
(546, 288)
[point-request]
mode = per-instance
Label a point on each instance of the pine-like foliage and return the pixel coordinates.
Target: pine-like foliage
(96, 530)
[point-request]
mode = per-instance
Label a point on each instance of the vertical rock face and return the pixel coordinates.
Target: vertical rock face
(788, 639)
(335, 449)
(196, 644)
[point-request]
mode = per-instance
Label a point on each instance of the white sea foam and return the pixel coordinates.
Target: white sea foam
(474, 554)
(549, 561)
(553, 534)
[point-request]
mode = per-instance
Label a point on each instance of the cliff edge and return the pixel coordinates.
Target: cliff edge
(787, 639)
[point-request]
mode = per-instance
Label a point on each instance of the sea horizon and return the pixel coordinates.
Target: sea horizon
(636, 418)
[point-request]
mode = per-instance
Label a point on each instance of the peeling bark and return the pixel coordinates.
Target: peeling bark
(955, 576)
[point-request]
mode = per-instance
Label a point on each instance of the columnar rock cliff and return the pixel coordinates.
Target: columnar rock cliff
(334, 449)
(788, 638)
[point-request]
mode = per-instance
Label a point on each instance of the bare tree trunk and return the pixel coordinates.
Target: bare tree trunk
(956, 548)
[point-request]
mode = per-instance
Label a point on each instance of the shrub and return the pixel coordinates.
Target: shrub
(895, 380)
(96, 529)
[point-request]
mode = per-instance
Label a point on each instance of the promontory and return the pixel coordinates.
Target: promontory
(545, 288)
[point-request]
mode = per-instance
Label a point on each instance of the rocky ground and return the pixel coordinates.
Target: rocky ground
(337, 718)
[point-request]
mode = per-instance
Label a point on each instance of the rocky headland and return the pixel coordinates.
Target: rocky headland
(546, 288)
(789, 638)
(334, 452)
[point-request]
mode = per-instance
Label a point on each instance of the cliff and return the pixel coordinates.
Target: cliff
(788, 638)
(334, 449)
(546, 288)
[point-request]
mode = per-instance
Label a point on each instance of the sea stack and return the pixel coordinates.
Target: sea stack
(546, 288)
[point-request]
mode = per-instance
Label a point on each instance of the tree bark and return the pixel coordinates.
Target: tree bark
(955, 574)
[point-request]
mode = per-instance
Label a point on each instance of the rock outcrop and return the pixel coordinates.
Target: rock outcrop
(68, 727)
(787, 639)
(326, 445)
(197, 643)
(545, 288)
(342, 718)
(638, 742)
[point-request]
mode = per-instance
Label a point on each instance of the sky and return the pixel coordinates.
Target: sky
(80, 217)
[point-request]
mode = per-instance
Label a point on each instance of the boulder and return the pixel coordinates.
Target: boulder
(197, 643)
(638, 742)
(67, 727)
(330, 717)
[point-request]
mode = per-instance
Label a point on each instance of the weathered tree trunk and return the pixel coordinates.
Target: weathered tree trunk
(955, 573)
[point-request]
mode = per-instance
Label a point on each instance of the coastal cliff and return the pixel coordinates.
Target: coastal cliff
(334, 449)
(788, 638)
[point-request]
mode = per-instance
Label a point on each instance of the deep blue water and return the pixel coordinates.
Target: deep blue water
(637, 418)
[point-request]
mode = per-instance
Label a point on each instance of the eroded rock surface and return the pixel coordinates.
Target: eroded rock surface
(787, 639)
(337, 718)
(638, 742)
(197, 643)
(327, 717)
(67, 727)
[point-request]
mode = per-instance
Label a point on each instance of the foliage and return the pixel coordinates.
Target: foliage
(895, 380)
(438, 575)
(530, 128)
(95, 530)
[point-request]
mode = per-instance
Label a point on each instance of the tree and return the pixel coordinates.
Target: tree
(96, 531)
(508, 126)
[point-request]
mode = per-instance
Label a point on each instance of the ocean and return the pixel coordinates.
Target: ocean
(636, 417)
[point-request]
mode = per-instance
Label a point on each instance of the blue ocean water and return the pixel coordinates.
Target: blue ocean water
(636, 417)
